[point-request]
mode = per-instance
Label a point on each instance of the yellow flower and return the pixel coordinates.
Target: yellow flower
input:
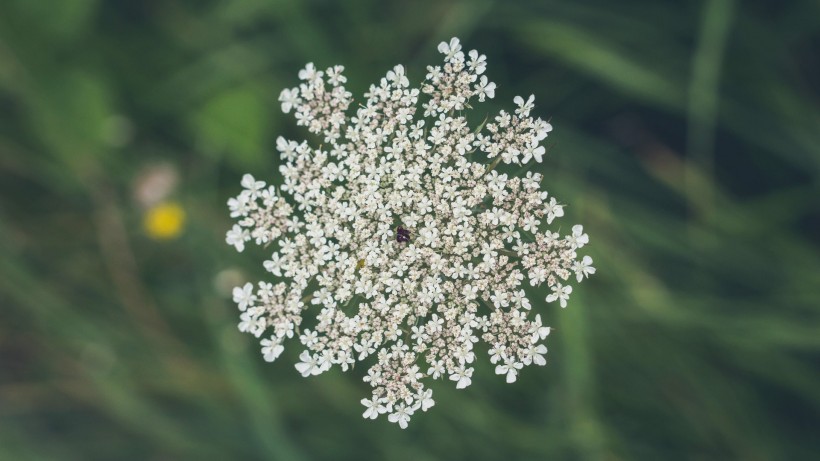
(164, 221)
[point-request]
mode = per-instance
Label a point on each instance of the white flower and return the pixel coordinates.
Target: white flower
(237, 237)
(334, 76)
(510, 369)
(542, 129)
(397, 76)
(451, 50)
(252, 185)
(271, 349)
(425, 398)
(578, 238)
(477, 63)
(538, 331)
(289, 99)
(274, 265)
(363, 350)
(436, 369)
(485, 89)
(499, 299)
(497, 353)
(243, 296)
(560, 293)
(462, 377)
(530, 152)
(554, 210)
(373, 408)
(310, 73)
(583, 268)
(524, 108)
(309, 364)
(530, 224)
(519, 298)
(535, 354)
(401, 415)
(309, 338)
(470, 292)
(394, 237)
(496, 181)
(494, 216)
(537, 275)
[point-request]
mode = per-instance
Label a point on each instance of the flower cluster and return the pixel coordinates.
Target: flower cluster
(402, 237)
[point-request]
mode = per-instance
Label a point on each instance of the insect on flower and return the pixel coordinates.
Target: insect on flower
(402, 234)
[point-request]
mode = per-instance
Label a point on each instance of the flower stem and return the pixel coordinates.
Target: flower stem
(493, 165)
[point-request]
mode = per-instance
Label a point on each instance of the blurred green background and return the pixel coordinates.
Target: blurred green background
(687, 141)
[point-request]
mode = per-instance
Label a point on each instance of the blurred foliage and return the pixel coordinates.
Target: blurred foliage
(687, 142)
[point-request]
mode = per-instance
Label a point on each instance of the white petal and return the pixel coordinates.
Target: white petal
(274, 352)
(303, 368)
(511, 375)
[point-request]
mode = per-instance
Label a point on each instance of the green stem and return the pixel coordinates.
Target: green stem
(493, 165)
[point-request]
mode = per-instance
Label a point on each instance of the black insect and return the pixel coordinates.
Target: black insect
(402, 234)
